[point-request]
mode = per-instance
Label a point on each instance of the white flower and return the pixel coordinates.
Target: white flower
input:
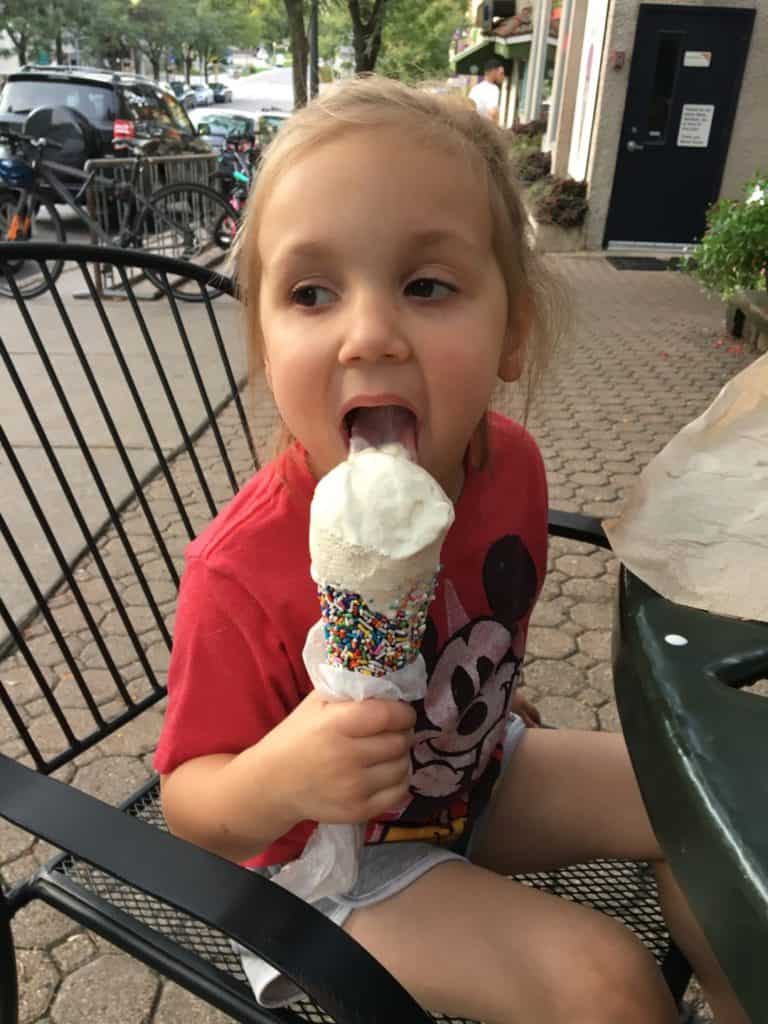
(757, 196)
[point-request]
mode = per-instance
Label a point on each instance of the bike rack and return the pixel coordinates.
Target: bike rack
(189, 168)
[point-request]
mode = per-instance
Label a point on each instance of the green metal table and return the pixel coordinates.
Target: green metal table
(698, 740)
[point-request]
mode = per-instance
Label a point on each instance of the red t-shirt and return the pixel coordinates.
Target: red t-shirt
(247, 601)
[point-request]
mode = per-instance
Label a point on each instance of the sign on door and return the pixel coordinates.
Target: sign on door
(695, 125)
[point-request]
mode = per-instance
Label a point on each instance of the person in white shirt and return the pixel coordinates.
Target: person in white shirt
(486, 94)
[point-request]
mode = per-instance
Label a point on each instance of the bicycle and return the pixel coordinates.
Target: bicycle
(187, 221)
(236, 168)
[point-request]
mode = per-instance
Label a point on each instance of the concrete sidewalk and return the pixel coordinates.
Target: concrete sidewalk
(642, 359)
(93, 337)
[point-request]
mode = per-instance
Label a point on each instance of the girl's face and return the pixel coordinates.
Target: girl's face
(380, 287)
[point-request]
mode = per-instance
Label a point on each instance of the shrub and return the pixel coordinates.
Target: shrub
(733, 252)
(532, 165)
(526, 138)
(560, 201)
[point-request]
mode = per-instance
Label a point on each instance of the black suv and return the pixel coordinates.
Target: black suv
(116, 106)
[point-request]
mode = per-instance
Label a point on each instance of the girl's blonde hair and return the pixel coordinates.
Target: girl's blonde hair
(534, 295)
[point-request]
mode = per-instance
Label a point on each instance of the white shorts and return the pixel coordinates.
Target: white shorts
(384, 870)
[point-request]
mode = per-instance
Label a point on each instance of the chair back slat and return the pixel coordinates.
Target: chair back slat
(123, 433)
(43, 521)
(146, 422)
(211, 416)
(119, 447)
(235, 390)
(8, 697)
(59, 638)
(63, 482)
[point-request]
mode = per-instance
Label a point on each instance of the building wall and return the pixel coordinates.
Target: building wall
(748, 150)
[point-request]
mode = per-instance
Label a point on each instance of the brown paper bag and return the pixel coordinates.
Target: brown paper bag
(696, 526)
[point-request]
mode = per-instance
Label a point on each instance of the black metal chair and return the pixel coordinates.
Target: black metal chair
(93, 531)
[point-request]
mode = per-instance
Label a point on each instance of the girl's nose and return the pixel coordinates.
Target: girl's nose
(373, 331)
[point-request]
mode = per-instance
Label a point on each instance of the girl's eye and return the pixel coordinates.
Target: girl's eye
(311, 295)
(429, 288)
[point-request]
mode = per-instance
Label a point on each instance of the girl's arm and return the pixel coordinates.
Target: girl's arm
(230, 804)
(339, 762)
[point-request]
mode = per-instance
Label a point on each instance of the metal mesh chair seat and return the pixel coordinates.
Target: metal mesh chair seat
(625, 890)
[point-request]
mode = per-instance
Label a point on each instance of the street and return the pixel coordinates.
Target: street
(273, 88)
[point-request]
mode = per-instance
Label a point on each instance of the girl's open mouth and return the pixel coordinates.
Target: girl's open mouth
(376, 426)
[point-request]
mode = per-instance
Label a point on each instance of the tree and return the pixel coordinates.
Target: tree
(153, 25)
(186, 48)
(107, 34)
(23, 21)
(335, 29)
(367, 27)
(208, 36)
(417, 38)
(413, 38)
(267, 23)
(63, 17)
(299, 49)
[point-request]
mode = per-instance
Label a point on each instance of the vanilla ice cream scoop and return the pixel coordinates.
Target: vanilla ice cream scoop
(377, 525)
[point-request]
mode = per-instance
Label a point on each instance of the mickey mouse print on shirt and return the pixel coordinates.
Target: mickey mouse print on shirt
(462, 719)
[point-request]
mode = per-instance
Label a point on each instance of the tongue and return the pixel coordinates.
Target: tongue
(384, 425)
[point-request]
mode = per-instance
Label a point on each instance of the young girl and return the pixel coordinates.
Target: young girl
(384, 262)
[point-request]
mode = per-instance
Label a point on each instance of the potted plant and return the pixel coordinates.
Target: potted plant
(733, 252)
(525, 138)
(558, 208)
(531, 165)
(732, 257)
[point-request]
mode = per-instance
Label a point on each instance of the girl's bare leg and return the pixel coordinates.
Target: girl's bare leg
(572, 796)
(470, 943)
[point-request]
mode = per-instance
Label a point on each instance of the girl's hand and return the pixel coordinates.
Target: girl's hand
(344, 762)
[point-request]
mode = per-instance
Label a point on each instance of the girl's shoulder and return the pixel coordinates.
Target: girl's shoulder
(267, 515)
(512, 444)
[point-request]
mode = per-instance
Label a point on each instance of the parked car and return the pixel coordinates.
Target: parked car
(184, 93)
(217, 126)
(112, 107)
(270, 122)
(221, 93)
(203, 94)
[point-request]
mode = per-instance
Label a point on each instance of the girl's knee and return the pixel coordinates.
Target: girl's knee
(615, 981)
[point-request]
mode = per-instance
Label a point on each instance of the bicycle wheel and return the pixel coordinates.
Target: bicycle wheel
(44, 225)
(187, 222)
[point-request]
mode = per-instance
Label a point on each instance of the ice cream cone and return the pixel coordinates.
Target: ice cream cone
(377, 525)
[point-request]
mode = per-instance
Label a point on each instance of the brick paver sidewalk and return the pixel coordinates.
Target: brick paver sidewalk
(640, 361)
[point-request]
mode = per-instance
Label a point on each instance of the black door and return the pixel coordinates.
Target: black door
(681, 101)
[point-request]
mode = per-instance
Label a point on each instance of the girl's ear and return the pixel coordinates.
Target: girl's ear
(512, 359)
